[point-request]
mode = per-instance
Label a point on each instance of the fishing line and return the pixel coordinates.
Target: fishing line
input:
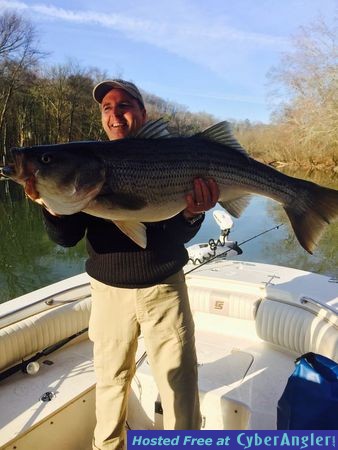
(260, 234)
(276, 227)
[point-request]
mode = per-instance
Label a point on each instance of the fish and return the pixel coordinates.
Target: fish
(146, 178)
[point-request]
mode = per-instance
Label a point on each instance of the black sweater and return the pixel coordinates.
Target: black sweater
(114, 259)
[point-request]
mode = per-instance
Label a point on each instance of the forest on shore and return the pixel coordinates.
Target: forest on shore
(41, 104)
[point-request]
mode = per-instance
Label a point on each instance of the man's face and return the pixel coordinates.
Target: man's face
(121, 114)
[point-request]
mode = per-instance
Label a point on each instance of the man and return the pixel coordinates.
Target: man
(137, 290)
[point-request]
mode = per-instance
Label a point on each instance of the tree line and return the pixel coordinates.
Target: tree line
(41, 105)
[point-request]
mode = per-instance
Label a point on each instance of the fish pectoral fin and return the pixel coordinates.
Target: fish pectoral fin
(222, 133)
(136, 231)
(236, 206)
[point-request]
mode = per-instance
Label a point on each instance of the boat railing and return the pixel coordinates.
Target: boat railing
(59, 298)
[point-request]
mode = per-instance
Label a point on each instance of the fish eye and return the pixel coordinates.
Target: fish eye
(46, 158)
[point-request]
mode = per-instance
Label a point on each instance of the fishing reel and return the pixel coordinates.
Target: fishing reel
(205, 251)
(225, 222)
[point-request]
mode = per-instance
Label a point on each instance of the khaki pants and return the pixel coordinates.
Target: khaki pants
(162, 314)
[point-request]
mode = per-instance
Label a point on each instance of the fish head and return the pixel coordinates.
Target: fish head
(64, 179)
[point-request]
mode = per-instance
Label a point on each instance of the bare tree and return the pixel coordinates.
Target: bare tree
(18, 54)
(12, 34)
(308, 78)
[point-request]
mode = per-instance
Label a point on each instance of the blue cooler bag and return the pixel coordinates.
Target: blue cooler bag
(310, 398)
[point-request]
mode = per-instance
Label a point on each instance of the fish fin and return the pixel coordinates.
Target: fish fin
(136, 231)
(222, 133)
(154, 129)
(310, 217)
(236, 206)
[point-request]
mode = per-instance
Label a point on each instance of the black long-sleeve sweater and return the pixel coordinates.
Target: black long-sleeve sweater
(116, 260)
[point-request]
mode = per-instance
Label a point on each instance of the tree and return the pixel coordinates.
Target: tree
(18, 55)
(308, 78)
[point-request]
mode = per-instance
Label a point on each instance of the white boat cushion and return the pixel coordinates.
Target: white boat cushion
(33, 334)
(296, 329)
(231, 303)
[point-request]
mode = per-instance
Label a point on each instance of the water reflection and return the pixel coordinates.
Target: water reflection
(325, 257)
(280, 246)
(29, 260)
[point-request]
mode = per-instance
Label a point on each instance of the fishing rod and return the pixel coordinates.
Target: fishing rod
(211, 258)
(28, 365)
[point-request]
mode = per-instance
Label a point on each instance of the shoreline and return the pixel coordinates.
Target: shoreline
(308, 166)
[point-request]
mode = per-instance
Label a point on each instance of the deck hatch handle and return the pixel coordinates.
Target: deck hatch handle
(47, 396)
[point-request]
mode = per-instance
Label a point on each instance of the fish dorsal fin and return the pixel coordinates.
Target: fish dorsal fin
(222, 133)
(154, 129)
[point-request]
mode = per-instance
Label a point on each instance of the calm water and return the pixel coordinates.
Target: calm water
(29, 260)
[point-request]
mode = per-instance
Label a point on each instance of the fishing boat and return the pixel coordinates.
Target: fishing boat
(252, 321)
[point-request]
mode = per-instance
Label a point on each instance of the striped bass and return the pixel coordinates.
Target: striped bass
(146, 179)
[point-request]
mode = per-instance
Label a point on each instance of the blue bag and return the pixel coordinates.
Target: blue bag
(310, 398)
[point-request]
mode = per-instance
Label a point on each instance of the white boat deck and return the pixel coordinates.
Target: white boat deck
(26, 420)
(252, 321)
(232, 370)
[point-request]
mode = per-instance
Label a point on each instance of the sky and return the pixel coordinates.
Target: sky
(210, 56)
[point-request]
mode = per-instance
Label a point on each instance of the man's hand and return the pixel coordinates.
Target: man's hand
(204, 197)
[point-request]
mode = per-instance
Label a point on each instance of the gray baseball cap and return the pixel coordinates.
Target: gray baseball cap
(102, 88)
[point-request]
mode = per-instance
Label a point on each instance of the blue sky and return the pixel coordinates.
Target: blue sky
(210, 56)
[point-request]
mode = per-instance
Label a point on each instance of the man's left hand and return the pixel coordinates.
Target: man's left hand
(204, 197)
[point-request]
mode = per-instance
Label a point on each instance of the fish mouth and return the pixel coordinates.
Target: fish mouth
(7, 171)
(22, 173)
(16, 169)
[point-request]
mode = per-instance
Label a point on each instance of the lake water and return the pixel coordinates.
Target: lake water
(29, 260)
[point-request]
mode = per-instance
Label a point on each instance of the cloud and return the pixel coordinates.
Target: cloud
(208, 94)
(183, 31)
(115, 21)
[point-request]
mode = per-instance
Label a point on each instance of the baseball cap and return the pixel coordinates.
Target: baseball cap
(102, 88)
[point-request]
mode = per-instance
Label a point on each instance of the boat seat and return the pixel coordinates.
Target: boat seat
(225, 302)
(296, 329)
(28, 336)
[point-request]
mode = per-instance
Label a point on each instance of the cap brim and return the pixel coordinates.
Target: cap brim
(101, 89)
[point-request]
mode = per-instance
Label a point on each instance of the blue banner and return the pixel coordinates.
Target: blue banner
(233, 440)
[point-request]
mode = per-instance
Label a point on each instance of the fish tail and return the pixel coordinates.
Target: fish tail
(311, 213)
